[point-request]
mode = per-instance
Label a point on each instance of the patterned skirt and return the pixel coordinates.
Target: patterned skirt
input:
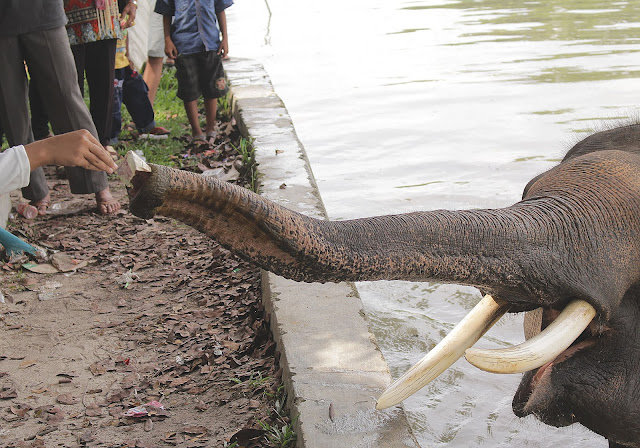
(92, 20)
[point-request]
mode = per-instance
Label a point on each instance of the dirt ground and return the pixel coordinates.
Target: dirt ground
(149, 312)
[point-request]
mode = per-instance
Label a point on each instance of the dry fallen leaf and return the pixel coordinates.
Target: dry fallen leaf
(202, 406)
(86, 437)
(66, 399)
(195, 430)
(20, 409)
(93, 410)
(27, 363)
(66, 263)
(54, 416)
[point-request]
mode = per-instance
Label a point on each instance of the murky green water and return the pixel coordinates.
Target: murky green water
(426, 104)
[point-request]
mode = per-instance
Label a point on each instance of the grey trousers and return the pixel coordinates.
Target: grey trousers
(48, 55)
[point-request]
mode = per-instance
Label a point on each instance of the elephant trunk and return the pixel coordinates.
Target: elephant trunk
(562, 244)
(491, 249)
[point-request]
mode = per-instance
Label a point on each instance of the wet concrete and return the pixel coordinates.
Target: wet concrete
(333, 369)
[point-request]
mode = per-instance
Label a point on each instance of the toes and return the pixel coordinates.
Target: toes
(108, 207)
(42, 205)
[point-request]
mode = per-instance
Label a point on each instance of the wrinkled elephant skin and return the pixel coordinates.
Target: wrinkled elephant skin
(575, 235)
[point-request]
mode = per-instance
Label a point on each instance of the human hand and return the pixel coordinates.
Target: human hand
(169, 48)
(129, 12)
(223, 49)
(77, 148)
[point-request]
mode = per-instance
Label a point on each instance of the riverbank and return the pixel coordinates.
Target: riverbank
(332, 367)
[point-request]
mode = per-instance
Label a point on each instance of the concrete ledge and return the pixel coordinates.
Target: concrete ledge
(329, 358)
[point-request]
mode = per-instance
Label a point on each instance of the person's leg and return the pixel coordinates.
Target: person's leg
(152, 75)
(39, 117)
(116, 124)
(191, 107)
(134, 96)
(14, 111)
(100, 70)
(155, 53)
(213, 86)
(79, 58)
(211, 109)
(50, 54)
(188, 89)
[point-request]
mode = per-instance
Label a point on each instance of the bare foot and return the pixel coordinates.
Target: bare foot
(107, 204)
(42, 205)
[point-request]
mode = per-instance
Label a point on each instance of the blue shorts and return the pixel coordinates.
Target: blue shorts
(200, 74)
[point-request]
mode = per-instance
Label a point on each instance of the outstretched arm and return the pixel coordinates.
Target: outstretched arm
(77, 148)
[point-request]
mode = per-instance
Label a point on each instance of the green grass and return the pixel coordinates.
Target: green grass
(280, 436)
(279, 433)
(246, 149)
(169, 113)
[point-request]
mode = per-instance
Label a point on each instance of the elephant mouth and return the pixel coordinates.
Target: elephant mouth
(561, 339)
(536, 388)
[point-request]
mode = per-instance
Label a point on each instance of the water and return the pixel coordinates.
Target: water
(427, 104)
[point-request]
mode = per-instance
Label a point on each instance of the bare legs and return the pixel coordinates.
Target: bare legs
(152, 75)
(210, 108)
(191, 107)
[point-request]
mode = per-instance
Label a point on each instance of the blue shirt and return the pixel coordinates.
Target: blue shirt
(195, 25)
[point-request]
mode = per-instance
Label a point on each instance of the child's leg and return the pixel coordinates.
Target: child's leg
(188, 92)
(134, 96)
(213, 86)
(191, 107)
(211, 108)
(116, 124)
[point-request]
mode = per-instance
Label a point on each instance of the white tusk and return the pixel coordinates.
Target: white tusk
(540, 349)
(464, 335)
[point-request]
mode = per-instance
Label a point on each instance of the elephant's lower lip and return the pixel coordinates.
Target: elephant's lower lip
(568, 353)
(543, 372)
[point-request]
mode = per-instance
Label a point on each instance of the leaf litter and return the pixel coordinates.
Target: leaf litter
(151, 339)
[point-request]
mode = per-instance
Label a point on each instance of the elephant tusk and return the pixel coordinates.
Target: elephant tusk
(486, 313)
(540, 349)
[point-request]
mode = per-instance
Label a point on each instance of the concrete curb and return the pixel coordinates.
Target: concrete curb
(333, 369)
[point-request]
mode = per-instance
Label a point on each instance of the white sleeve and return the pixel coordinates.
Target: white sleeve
(14, 169)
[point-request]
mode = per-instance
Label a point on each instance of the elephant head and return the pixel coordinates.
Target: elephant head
(572, 242)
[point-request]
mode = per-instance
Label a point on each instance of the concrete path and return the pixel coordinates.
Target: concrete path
(333, 369)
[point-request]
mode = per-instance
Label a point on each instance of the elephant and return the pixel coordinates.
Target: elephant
(568, 253)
